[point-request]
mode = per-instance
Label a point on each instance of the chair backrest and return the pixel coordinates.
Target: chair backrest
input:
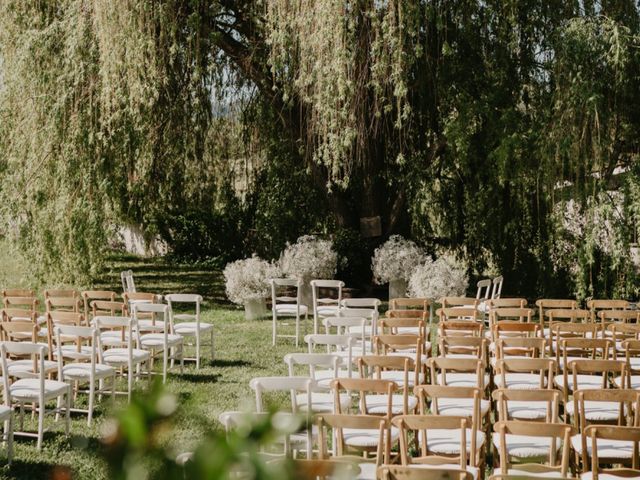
(511, 313)
(294, 385)
(552, 398)
(89, 295)
(562, 330)
(615, 433)
(410, 304)
(429, 397)
(36, 352)
(19, 330)
(456, 345)
(595, 367)
(336, 285)
(339, 422)
(506, 303)
(458, 314)
(364, 386)
(423, 424)
(64, 304)
(109, 308)
(84, 337)
(568, 315)
(496, 291)
(375, 367)
(124, 324)
(459, 328)
(128, 284)
(484, 289)
(624, 331)
(159, 314)
(312, 361)
(532, 347)
(60, 293)
(141, 297)
(332, 343)
(191, 298)
(545, 367)
(448, 302)
(557, 432)
(21, 314)
(587, 348)
(183, 298)
(439, 367)
(405, 343)
(393, 325)
(21, 302)
(510, 329)
(596, 305)
(278, 284)
(18, 292)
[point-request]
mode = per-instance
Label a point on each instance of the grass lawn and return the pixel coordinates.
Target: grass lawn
(243, 351)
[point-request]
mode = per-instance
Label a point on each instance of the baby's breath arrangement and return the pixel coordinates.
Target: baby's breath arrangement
(396, 259)
(248, 279)
(440, 278)
(308, 258)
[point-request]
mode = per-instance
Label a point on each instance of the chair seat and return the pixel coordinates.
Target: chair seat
(462, 379)
(322, 402)
(71, 351)
(363, 438)
(517, 472)
(635, 382)
(447, 441)
(584, 382)
(82, 371)
(20, 368)
(120, 356)
(524, 446)
(328, 310)
(412, 354)
(28, 389)
(290, 309)
(355, 329)
(190, 328)
(527, 410)
(325, 377)
(378, 405)
(112, 338)
(606, 448)
(459, 407)
(521, 381)
(601, 411)
(156, 340)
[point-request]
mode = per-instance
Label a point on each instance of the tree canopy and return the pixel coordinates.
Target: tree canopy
(504, 130)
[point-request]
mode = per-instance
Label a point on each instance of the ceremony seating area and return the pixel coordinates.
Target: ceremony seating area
(89, 342)
(479, 387)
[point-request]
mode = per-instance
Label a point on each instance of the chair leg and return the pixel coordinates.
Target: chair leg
(297, 329)
(67, 417)
(129, 384)
(165, 355)
(113, 388)
(92, 394)
(8, 430)
(181, 358)
(197, 350)
(274, 330)
(212, 349)
(40, 425)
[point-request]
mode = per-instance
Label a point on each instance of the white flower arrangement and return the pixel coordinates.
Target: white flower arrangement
(308, 258)
(443, 277)
(248, 279)
(396, 259)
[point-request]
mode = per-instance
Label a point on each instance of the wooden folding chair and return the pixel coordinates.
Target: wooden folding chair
(533, 442)
(542, 405)
(525, 373)
(374, 397)
(454, 401)
(463, 347)
(620, 438)
(545, 304)
(444, 441)
(409, 304)
(458, 372)
(401, 370)
(595, 306)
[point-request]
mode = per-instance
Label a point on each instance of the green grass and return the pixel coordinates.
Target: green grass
(242, 351)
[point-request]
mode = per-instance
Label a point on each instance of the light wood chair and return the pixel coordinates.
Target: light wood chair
(526, 441)
(598, 305)
(465, 402)
(419, 304)
(546, 304)
(620, 438)
(616, 407)
(525, 373)
(594, 376)
(285, 305)
(444, 441)
(401, 370)
(89, 296)
(463, 347)
(458, 372)
(189, 325)
(355, 438)
(542, 405)
(374, 397)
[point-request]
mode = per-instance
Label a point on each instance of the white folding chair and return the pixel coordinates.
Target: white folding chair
(120, 352)
(287, 306)
(169, 344)
(341, 345)
(190, 325)
(128, 285)
(300, 389)
(325, 306)
(496, 290)
(36, 390)
(484, 289)
(84, 363)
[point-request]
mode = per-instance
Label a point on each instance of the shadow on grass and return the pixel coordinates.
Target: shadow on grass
(35, 469)
(200, 378)
(229, 363)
